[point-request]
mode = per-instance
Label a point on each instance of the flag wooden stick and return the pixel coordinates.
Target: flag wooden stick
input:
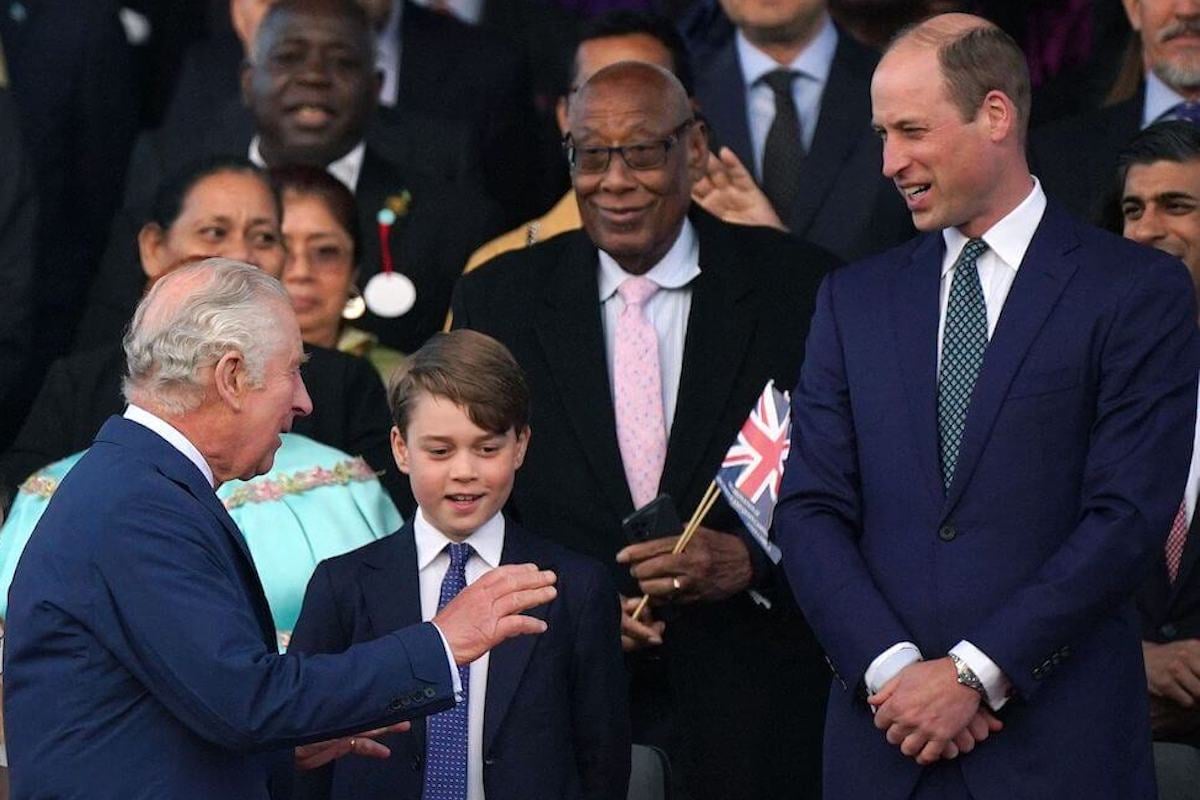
(706, 503)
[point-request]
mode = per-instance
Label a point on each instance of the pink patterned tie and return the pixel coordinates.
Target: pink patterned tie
(637, 385)
(1176, 539)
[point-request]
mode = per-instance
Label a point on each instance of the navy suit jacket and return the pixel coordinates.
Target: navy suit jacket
(1069, 472)
(142, 661)
(847, 206)
(556, 718)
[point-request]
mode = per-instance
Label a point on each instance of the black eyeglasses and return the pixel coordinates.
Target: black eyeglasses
(639, 156)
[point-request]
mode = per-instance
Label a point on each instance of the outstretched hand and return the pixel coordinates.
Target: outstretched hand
(318, 754)
(488, 611)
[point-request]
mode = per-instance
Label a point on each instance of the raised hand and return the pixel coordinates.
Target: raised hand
(489, 610)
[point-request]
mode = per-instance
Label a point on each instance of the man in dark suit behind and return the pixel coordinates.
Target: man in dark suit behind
(810, 145)
(1159, 172)
(729, 309)
(310, 90)
(145, 663)
(985, 459)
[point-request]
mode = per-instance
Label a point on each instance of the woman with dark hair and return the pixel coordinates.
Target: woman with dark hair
(323, 244)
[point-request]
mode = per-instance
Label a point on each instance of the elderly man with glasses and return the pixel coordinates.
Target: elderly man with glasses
(647, 336)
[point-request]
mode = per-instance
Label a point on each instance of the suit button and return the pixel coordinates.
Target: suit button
(395, 705)
(489, 761)
(429, 692)
(947, 533)
(1169, 631)
(1037, 673)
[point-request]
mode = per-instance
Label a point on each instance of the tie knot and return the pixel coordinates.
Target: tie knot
(637, 290)
(459, 553)
(1187, 112)
(971, 252)
(780, 81)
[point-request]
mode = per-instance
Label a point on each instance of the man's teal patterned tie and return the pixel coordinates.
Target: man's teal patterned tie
(963, 341)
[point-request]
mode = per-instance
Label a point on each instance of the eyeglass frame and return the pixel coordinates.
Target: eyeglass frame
(670, 140)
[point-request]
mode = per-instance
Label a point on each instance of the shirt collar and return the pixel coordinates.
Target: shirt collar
(173, 437)
(1160, 99)
(814, 61)
(346, 169)
(487, 541)
(676, 269)
(1010, 237)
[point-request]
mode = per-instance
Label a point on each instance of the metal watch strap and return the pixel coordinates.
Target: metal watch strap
(967, 677)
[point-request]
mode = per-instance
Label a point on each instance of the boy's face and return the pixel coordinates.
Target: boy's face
(461, 474)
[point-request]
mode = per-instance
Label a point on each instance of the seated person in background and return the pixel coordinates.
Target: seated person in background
(310, 90)
(544, 718)
(316, 502)
(1159, 171)
(218, 207)
(323, 240)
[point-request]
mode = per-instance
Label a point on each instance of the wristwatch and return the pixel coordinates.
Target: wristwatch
(967, 677)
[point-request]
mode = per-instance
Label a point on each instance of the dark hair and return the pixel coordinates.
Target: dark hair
(168, 200)
(310, 181)
(344, 8)
(625, 22)
(471, 370)
(1174, 140)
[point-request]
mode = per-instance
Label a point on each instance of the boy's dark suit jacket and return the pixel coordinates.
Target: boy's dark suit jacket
(556, 721)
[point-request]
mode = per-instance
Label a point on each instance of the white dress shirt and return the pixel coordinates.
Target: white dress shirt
(432, 562)
(667, 310)
(1160, 99)
(346, 169)
(1007, 242)
(813, 64)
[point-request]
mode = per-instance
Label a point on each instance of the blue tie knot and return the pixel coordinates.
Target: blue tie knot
(459, 554)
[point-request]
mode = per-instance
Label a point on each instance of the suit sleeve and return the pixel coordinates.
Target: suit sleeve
(1135, 470)
(599, 693)
(207, 662)
(819, 515)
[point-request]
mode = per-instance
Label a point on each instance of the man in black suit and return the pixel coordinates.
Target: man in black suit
(808, 141)
(1074, 157)
(734, 691)
(1159, 172)
(310, 89)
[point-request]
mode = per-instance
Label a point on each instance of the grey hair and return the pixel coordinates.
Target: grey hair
(171, 339)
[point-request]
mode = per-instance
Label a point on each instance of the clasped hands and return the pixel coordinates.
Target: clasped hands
(713, 566)
(929, 715)
(480, 617)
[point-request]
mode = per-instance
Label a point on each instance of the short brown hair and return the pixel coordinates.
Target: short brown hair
(974, 62)
(470, 369)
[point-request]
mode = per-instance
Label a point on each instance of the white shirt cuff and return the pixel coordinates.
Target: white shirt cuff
(995, 683)
(888, 664)
(454, 676)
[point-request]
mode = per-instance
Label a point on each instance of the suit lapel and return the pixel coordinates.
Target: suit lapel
(719, 330)
(571, 335)
(391, 595)
(840, 127)
(507, 662)
(1040, 280)
(914, 319)
(725, 104)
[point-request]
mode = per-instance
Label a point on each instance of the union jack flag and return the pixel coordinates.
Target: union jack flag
(753, 468)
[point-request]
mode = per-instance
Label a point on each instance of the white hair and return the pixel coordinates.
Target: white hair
(174, 336)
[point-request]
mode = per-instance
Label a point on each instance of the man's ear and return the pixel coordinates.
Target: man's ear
(522, 446)
(151, 245)
(560, 115)
(399, 450)
(230, 381)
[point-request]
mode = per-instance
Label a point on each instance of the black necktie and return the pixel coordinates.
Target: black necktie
(784, 149)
